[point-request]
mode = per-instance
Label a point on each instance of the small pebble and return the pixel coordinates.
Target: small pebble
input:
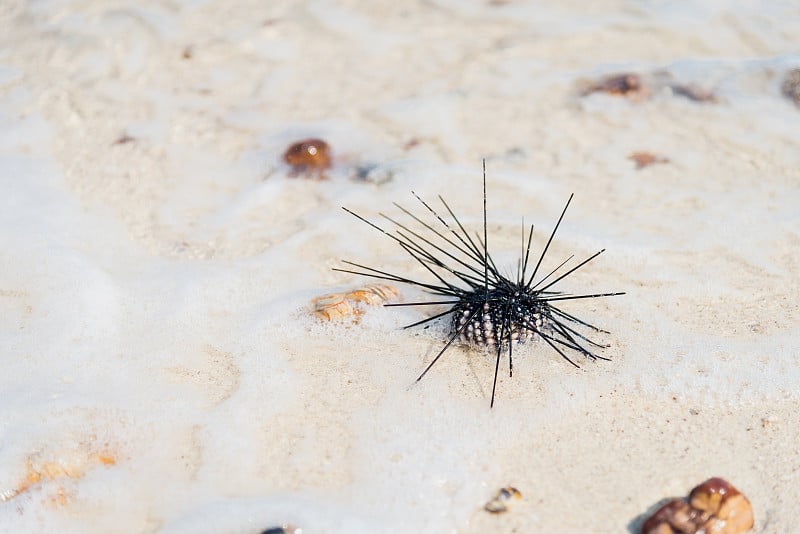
(504, 499)
(713, 507)
(310, 157)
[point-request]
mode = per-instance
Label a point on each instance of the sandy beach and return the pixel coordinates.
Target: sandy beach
(163, 368)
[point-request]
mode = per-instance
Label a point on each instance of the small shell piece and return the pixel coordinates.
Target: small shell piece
(55, 466)
(340, 305)
(332, 306)
(505, 498)
(713, 507)
(645, 159)
(374, 294)
(628, 85)
(309, 157)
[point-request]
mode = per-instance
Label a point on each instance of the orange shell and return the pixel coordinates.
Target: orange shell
(308, 156)
(341, 305)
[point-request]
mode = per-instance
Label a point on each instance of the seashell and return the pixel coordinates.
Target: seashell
(713, 507)
(505, 498)
(309, 157)
(333, 306)
(374, 294)
(340, 305)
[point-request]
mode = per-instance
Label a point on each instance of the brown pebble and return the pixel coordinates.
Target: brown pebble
(627, 85)
(791, 86)
(309, 157)
(505, 498)
(336, 306)
(713, 507)
(645, 159)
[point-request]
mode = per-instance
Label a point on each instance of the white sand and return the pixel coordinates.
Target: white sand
(161, 372)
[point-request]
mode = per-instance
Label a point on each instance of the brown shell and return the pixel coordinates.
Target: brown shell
(713, 507)
(627, 84)
(309, 157)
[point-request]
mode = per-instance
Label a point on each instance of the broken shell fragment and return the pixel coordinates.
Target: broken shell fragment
(55, 467)
(340, 305)
(713, 507)
(645, 159)
(374, 294)
(332, 306)
(504, 499)
(791, 86)
(309, 157)
(627, 85)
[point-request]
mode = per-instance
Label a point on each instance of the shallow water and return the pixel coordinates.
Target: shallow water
(163, 371)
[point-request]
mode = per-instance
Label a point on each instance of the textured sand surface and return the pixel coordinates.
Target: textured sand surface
(162, 372)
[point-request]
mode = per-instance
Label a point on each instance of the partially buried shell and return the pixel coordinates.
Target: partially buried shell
(332, 306)
(504, 499)
(340, 305)
(374, 294)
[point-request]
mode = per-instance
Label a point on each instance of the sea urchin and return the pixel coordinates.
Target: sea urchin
(492, 311)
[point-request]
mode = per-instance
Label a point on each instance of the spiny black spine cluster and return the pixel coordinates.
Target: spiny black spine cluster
(492, 310)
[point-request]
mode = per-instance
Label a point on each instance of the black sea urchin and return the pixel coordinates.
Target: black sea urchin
(492, 311)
